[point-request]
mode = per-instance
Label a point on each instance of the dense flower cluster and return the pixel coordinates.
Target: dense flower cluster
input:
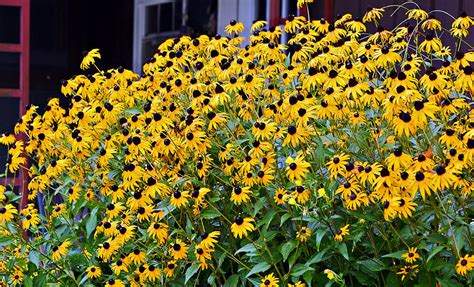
(341, 156)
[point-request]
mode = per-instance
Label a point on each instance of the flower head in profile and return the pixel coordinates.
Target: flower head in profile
(301, 3)
(234, 27)
(89, 58)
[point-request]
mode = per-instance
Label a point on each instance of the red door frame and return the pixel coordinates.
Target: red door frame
(22, 93)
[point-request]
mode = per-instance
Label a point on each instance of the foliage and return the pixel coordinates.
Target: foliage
(342, 158)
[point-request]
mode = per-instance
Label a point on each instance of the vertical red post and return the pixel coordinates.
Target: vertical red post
(303, 11)
(275, 13)
(329, 10)
(24, 84)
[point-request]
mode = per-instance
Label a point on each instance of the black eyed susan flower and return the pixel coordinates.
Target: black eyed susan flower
(422, 183)
(152, 273)
(115, 283)
(269, 281)
(89, 58)
(303, 234)
(301, 3)
(406, 207)
(463, 21)
(340, 233)
(7, 213)
(390, 208)
(136, 256)
(240, 195)
(17, 276)
(465, 264)
(210, 239)
(297, 168)
(170, 268)
(411, 256)
(159, 231)
(280, 196)
(408, 271)
(373, 14)
(417, 14)
(94, 272)
(119, 266)
(242, 226)
(336, 165)
(234, 27)
(179, 198)
(60, 250)
(179, 250)
(431, 44)
(294, 23)
(107, 249)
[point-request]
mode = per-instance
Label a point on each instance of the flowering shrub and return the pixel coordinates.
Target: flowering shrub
(342, 158)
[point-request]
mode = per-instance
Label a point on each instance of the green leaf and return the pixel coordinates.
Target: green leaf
(4, 241)
(40, 280)
(392, 280)
(260, 267)
(210, 213)
(267, 219)
(343, 250)
(319, 236)
(286, 249)
(449, 283)
(247, 249)
(232, 281)
(397, 255)
(299, 269)
(34, 257)
(92, 222)
(318, 257)
(211, 280)
(284, 218)
(437, 264)
(434, 252)
(190, 272)
(374, 265)
(27, 281)
(258, 205)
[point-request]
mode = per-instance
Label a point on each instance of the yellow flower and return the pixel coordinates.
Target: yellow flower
(297, 167)
(301, 3)
(7, 213)
(60, 250)
(269, 281)
(343, 231)
(234, 27)
(411, 256)
(373, 14)
(417, 14)
(465, 264)
(330, 274)
(89, 58)
(242, 226)
(303, 234)
(94, 272)
(240, 195)
(408, 271)
(179, 250)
